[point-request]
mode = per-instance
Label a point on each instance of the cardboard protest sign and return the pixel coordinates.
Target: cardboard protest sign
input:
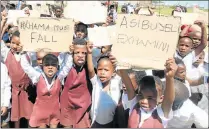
(13, 15)
(187, 18)
(87, 12)
(145, 41)
(99, 36)
(112, 33)
(54, 34)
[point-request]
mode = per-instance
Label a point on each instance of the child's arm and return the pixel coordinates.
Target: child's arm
(67, 65)
(196, 82)
(125, 78)
(7, 91)
(169, 94)
(4, 51)
(184, 32)
(90, 61)
(129, 87)
(29, 70)
(204, 41)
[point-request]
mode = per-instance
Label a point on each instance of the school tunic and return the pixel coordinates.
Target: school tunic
(46, 109)
(153, 121)
(75, 100)
(21, 105)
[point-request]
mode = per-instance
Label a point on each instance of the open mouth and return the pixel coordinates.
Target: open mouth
(50, 73)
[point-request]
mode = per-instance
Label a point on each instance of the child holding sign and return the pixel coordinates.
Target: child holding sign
(148, 113)
(106, 90)
(21, 105)
(46, 109)
(75, 99)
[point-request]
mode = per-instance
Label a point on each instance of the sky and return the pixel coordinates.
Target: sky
(190, 3)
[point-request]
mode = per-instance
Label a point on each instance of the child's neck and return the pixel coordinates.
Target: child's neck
(106, 84)
(49, 79)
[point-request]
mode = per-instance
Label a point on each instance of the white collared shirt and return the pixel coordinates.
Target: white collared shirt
(5, 87)
(104, 103)
(188, 114)
(34, 75)
(188, 61)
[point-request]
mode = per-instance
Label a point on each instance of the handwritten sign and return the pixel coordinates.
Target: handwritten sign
(89, 11)
(187, 18)
(145, 42)
(54, 34)
(13, 15)
(99, 36)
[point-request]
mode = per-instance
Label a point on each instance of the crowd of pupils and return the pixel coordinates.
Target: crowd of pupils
(84, 88)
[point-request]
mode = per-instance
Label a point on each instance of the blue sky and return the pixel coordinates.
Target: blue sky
(189, 3)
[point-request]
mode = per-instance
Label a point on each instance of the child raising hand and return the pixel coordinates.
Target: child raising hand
(147, 111)
(106, 90)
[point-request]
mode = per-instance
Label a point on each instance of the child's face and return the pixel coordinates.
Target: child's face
(200, 59)
(15, 44)
(80, 34)
(181, 72)
(184, 46)
(105, 70)
(196, 39)
(50, 70)
(148, 99)
(58, 13)
(79, 56)
(39, 56)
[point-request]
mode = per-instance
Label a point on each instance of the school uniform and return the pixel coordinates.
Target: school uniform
(46, 109)
(141, 119)
(188, 114)
(104, 103)
(188, 61)
(75, 99)
(122, 112)
(5, 92)
(21, 105)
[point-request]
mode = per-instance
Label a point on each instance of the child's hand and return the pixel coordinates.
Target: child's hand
(71, 48)
(4, 111)
(113, 60)
(171, 68)
(200, 23)
(89, 47)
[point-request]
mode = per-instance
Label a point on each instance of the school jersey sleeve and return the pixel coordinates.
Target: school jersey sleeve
(4, 51)
(162, 116)
(7, 86)
(95, 81)
(29, 70)
(65, 67)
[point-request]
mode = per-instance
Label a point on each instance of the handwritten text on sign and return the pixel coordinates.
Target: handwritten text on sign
(54, 34)
(145, 41)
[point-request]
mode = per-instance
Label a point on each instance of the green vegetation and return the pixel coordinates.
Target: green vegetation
(166, 10)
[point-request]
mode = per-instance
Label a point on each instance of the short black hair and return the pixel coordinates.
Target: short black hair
(150, 82)
(79, 41)
(181, 37)
(112, 6)
(159, 73)
(58, 7)
(103, 58)
(81, 27)
(50, 59)
(16, 34)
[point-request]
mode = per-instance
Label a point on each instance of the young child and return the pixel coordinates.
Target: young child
(46, 109)
(75, 99)
(106, 90)
(81, 31)
(21, 105)
(5, 96)
(147, 113)
(184, 48)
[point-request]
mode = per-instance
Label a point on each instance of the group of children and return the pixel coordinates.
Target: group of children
(84, 88)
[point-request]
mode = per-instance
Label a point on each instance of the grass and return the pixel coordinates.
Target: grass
(166, 10)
